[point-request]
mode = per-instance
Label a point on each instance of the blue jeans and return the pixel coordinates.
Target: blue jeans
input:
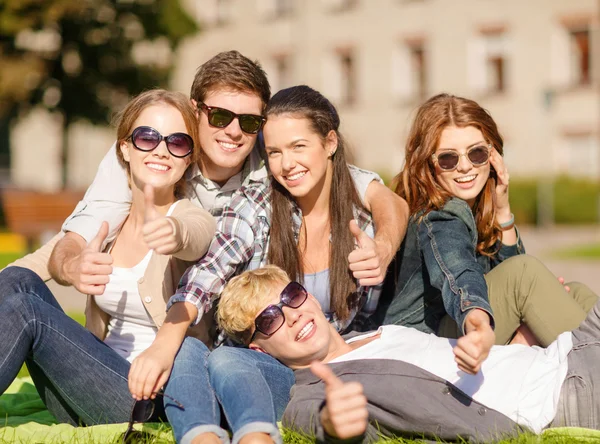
(80, 379)
(253, 389)
(190, 385)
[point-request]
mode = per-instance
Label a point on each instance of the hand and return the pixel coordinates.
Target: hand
(562, 282)
(149, 372)
(474, 347)
(89, 271)
(345, 414)
(367, 262)
(502, 203)
(159, 231)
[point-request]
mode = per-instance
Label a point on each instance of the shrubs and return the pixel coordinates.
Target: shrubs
(574, 201)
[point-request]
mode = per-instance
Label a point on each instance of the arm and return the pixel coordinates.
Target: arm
(390, 216)
(85, 267)
(39, 259)
(195, 229)
(230, 251)
(152, 368)
(107, 199)
(186, 234)
(201, 285)
(447, 239)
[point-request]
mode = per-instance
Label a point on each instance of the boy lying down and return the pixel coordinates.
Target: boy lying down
(399, 381)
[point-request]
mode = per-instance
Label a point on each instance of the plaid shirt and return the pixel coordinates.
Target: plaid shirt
(242, 243)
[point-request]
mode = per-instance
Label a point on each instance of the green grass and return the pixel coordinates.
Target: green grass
(7, 258)
(591, 252)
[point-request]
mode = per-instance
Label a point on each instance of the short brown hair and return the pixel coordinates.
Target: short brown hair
(127, 117)
(233, 71)
(243, 298)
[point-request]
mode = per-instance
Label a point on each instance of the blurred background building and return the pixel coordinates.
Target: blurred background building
(534, 64)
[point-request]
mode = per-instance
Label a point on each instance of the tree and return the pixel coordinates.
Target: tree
(85, 58)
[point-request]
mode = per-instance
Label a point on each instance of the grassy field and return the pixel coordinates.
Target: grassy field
(590, 252)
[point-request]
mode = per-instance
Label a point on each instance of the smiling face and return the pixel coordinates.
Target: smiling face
(157, 167)
(304, 337)
(299, 158)
(224, 150)
(467, 180)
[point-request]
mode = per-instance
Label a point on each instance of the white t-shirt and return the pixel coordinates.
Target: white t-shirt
(521, 382)
(131, 330)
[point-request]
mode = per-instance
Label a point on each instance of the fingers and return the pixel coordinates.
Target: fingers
(325, 373)
(97, 242)
(365, 261)
(361, 237)
(150, 210)
(466, 360)
(498, 163)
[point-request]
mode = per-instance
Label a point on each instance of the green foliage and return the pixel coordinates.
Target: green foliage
(85, 58)
(576, 201)
(82, 53)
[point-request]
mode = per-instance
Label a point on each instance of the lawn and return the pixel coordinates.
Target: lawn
(589, 252)
(7, 258)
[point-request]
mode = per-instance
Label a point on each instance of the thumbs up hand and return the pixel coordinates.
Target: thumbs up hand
(160, 233)
(345, 414)
(366, 261)
(89, 271)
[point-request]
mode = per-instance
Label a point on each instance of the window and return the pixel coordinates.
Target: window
(488, 61)
(572, 52)
(339, 77)
(279, 71)
(409, 71)
(580, 55)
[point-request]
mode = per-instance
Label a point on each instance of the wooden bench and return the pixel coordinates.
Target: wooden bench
(32, 213)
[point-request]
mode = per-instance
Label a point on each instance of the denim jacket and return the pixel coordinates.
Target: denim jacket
(438, 270)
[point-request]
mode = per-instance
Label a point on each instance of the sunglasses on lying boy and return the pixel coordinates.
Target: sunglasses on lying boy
(272, 318)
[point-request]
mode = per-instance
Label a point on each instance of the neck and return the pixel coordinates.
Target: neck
(218, 174)
(317, 200)
(337, 346)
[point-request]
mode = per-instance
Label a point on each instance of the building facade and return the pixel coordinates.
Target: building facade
(534, 64)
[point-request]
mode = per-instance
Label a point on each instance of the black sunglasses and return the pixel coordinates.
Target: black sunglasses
(448, 160)
(142, 411)
(146, 138)
(221, 117)
(272, 318)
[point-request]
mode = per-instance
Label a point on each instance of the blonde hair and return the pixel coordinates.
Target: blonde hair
(244, 297)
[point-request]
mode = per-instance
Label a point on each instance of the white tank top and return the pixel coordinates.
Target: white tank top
(131, 329)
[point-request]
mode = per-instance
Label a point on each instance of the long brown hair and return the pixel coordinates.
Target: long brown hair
(417, 183)
(304, 102)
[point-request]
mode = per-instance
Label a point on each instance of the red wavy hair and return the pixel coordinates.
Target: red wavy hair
(417, 183)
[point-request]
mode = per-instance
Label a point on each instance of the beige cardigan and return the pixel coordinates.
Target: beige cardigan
(159, 283)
